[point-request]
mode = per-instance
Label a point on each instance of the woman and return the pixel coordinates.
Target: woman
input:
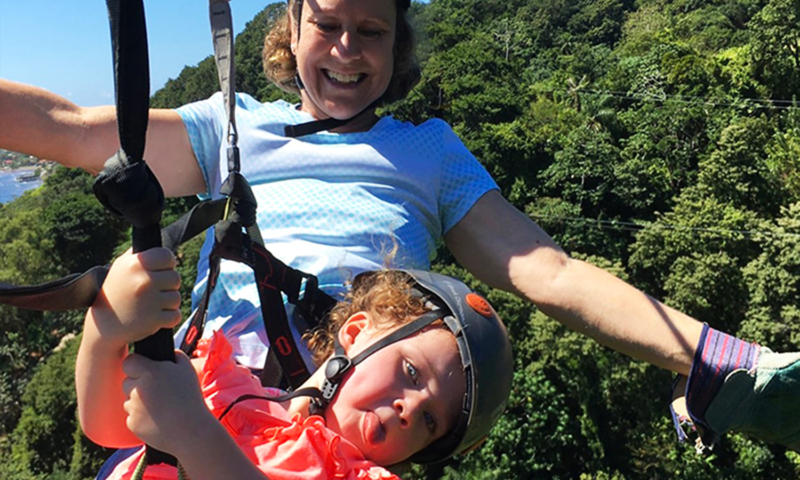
(332, 202)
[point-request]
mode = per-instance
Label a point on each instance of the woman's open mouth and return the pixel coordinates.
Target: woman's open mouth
(342, 78)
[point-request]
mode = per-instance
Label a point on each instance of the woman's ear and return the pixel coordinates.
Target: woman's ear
(293, 34)
(354, 327)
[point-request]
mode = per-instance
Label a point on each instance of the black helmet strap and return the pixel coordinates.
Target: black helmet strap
(315, 126)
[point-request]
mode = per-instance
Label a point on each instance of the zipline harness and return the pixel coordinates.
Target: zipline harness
(128, 188)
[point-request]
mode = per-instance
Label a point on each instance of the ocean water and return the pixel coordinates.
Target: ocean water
(10, 188)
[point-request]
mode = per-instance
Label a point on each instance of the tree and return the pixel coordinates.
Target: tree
(773, 280)
(776, 47)
(43, 439)
(783, 156)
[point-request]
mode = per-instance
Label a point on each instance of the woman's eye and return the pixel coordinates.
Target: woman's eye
(412, 371)
(430, 422)
(326, 27)
(370, 33)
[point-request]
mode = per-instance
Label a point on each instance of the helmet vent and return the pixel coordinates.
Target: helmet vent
(479, 304)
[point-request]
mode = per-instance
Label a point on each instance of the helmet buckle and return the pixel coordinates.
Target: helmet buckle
(336, 367)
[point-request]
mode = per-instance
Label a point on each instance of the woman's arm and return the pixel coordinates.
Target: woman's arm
(507, 250)
(40, 123)
(139, 296)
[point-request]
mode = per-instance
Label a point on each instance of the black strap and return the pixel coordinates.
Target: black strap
(302, 392)
(131, 73)
(272, 277)
(69, 293)
(79, 290)
(315, 126)
(340, 363)
(126, 185)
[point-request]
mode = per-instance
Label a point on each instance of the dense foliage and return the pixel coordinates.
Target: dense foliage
(658, 139)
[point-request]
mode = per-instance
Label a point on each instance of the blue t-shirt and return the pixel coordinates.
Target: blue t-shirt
(329, 204)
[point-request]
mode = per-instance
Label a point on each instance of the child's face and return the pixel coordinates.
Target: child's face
(402, 397)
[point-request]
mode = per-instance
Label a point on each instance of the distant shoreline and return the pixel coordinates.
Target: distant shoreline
(20, 169)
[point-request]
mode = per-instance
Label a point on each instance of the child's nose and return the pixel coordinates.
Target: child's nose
(409, 408)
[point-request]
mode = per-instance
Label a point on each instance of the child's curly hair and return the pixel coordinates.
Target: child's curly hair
(386, 295)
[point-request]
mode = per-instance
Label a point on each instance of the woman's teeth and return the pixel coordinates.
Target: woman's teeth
(342, 78)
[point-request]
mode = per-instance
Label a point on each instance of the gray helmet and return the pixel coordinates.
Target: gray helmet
(485, 356)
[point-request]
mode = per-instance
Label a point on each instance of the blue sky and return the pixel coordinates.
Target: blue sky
(65, 45)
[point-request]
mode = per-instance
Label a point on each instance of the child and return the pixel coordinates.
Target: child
(417, 367)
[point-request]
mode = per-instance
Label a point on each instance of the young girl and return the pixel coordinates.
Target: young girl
(414, 366)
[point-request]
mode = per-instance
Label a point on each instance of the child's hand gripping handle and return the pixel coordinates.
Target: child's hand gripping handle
(160, 345)
(130, 189)
(126, 185)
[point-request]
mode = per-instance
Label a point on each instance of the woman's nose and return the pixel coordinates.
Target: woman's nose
(349, 46)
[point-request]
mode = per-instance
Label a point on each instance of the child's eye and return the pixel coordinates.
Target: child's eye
(412, 372)
(430, 422)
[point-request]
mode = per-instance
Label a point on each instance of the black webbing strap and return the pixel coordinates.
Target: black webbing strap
(126, 185)
(283, 357)
(302, 392)
(314, 126)
(68, 293)
(340, 363)
(196, 221)
(272, 277)
(79, 290)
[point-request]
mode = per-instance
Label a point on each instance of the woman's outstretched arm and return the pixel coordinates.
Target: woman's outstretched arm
(507, 250)
(45, 125)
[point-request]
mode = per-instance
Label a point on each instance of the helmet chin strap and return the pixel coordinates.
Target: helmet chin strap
(340, 363)
(315, 126)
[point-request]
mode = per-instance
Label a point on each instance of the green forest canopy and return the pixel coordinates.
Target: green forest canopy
(658, 139)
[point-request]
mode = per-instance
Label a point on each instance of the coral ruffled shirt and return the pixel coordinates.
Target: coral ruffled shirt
(283, 447)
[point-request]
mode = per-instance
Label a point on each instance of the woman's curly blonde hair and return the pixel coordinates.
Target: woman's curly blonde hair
(280, 64)
(386, 295)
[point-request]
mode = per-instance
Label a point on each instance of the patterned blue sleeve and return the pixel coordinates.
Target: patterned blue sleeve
(205, 123)
(464, 180)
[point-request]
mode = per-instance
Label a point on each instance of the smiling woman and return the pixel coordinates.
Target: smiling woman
(361, 58)
(344, 56)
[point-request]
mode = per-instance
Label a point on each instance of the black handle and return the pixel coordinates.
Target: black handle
(158, 346)
(127, 186)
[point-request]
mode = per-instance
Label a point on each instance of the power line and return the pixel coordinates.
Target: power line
(638, 226)
(691, 99)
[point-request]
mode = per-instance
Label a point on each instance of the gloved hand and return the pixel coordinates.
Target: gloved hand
(764, 404)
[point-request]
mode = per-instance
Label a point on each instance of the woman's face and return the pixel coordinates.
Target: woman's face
(344, 54)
